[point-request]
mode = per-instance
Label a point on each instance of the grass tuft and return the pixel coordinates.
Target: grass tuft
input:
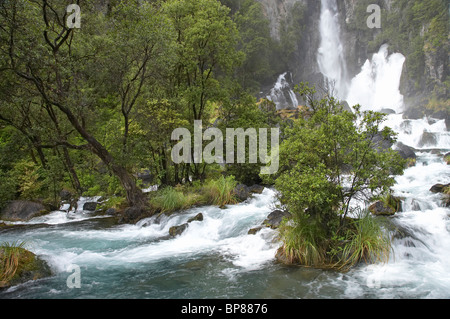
(9, 260)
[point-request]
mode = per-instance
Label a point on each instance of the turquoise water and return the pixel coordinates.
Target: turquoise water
(216, 258)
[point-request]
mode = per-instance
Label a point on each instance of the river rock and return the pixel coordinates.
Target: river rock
(413, 113)
(382, 142)
(438, 188)
(256, 189)
(29, 267)
(387, 111)
(242, 192)
(405, 151)
(20, 210)
(198, 218)
(381, 209)
(177, 230)
(275, 218)
(428, 139)
(134, 214)
(90, 206)
(255, 230)
(111, 211)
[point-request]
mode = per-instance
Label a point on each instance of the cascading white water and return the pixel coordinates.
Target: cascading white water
(377, 86)
(217, 258)
(282, 94)
(331, 55)
(419, 265)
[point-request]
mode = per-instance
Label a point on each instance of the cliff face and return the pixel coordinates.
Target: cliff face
(360, 42)
(303, 64)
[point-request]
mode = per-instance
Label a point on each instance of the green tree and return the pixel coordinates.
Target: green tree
(328, 160)
(62, 69)
(206, 46)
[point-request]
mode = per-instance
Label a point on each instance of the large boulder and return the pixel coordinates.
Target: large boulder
(428, 139)
(380, 141)
(132, 215)
(439, 188)
(413, 113)
(405, 151)
(28, 267)
(20, 210)
(256, 189)
(381, 209)
(90, 206)
(275, 218)
(242, 192)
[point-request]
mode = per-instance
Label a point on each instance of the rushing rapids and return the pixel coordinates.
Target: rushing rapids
(217, 258)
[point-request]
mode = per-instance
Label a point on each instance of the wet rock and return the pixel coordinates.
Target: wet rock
(177, 230)
(388, 111)
(381, 209)
(242, 192)
(439, 188)
(198, 217)
(275, 218)
(28, 267)
(447, 158)
(382, 142)
(19, 210)
(256, 189)
(134, 214)
(405, 151)
(90, 206)
(111, 211)
(427, 139)
(255, 230)
(413, 114)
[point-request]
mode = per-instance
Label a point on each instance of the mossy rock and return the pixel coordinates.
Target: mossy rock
(447, 158)
(28, 267)
(381, 209)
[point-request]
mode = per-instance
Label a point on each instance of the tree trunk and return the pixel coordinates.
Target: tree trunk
(135, 197)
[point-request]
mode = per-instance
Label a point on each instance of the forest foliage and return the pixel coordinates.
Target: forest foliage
(89, 109)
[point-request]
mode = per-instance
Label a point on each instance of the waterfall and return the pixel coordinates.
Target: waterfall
(282, 94)
(331, 55)
(419, 265)
(377, 86)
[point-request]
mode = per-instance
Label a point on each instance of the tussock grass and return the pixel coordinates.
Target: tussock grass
(363, 240)
(9, 260)
(219, 192)
(303, 243)
(366, 242)
(169, 200)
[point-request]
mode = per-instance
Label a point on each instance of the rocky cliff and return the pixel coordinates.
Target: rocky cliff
(426, 70)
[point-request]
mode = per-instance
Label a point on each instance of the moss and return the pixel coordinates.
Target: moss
(410, 162)
(19, 265)
(447, 159)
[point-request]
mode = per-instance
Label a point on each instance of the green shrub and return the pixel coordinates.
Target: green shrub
(220, 191)
(9, 260)
(303, 242)
(365, 241)
(170, 199)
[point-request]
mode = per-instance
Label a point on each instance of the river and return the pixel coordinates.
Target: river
(217, 258)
